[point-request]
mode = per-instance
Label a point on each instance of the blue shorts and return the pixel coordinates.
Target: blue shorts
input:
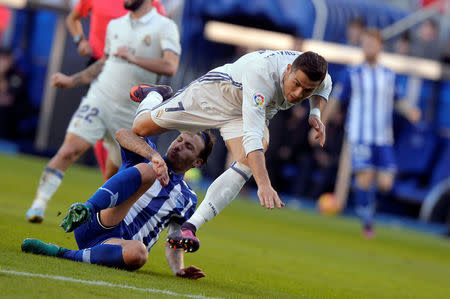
(93, 233)
(376, 157)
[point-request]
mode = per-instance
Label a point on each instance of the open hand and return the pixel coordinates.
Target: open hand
(319, 128)
(62, 81)
(269, 198)
(190, 272)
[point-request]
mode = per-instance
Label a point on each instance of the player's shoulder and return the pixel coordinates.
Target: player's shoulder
(387, 70)
(164, 21)
(119, 21)
(187, 191)
(354, 68)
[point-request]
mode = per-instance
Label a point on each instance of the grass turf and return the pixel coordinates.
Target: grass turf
(246, 252)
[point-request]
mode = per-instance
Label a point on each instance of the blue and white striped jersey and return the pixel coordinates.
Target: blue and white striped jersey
(369, 92)
(158, 206)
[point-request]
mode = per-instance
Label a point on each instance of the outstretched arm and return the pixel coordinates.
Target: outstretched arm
(84, 77)
(130, 141)
(317, 104)
(268, 197)
(175, 259)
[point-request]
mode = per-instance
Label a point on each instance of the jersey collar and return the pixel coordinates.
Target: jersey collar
(145, 19)
(174, 177)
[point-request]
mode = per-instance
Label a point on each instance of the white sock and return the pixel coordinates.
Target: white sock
(50, 180)
(221, 192)
(150, 101)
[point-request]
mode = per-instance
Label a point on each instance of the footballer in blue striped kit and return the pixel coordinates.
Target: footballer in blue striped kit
(121, 222)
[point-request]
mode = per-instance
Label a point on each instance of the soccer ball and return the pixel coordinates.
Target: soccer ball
(328, 204)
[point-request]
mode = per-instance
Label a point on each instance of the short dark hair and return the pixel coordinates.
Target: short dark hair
(209, 140)
(312, 64)
(375, 33)
(357, 21)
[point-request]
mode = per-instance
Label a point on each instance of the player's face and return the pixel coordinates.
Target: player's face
(132, 4)
(297, 85)
(183, 153)
(371, 46)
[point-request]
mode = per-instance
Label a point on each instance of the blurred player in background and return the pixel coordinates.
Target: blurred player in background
(139, 47)
(121, 222)
(355, 28)
(369, 91)
(239, 99)
(101, 12)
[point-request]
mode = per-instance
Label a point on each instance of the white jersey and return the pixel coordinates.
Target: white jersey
(259, 76)
(146, 37)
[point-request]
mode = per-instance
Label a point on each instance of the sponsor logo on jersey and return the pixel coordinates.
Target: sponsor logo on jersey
(147, 40)
(259, 99)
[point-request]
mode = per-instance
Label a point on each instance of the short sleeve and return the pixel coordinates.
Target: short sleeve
(170, 38)
(324, 88)
(400, 85)
(258, 90)
(108, 39)
(129, 158)
(83, 7)
(398, 93)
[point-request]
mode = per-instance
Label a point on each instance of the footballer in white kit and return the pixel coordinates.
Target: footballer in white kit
(106, 107)
(227, 95)
(139, 47)
(239, 99)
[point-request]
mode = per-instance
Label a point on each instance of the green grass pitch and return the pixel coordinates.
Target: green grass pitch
(246, 252)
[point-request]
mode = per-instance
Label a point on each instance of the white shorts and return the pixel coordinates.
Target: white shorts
(94, 120)
(202, 106)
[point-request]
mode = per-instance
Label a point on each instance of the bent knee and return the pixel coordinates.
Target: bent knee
(148, 175)
(135, 254)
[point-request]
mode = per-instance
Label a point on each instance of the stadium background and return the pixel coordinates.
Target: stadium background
(37, 120)
(246, 252)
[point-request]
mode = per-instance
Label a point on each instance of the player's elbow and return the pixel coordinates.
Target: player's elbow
(139, 129)
(70, 19)
(135, 255)
(121, 133)
(171, 71)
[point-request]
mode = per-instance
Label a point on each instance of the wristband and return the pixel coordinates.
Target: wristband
(78, 38)
(315, 111)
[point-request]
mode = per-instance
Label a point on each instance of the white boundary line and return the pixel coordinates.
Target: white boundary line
(102, 283)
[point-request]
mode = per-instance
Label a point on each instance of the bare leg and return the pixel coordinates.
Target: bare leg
(72, 148)
(110, 169)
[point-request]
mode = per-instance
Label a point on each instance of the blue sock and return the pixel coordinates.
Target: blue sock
(365, 205)
(116, 190)
(105, 254)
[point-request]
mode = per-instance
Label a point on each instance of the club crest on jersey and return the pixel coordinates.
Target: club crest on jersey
(259, 99)
(147, 40)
